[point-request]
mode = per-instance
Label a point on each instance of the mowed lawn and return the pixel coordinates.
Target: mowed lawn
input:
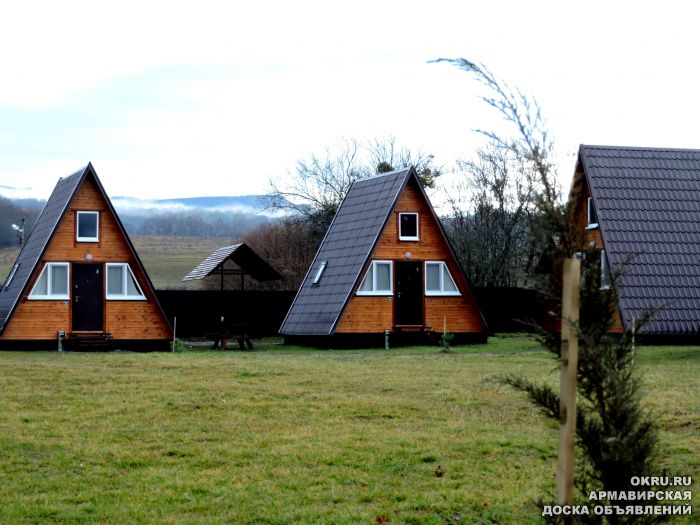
(291, 435)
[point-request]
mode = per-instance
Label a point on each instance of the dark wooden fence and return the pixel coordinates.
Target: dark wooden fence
(198, 312)
(510, 309)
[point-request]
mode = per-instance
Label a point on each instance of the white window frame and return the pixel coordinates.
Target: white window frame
(591, 206)
(605, 275)
(123, 296)
(372, 274)
(319, 272)
(8, 281)
(77, 227)
(442, 292)
(50, 296)
(415, 237)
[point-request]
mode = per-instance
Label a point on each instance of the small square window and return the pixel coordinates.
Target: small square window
(408, 227)
(88, 226)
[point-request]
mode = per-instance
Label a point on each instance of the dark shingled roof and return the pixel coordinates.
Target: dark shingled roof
(346, 247)
(41, 234)
(37, 241)
(648, 207)
(241, 254)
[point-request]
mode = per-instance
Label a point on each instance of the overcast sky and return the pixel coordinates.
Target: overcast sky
(176, 99)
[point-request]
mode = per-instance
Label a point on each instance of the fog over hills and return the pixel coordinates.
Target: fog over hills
(216, 216)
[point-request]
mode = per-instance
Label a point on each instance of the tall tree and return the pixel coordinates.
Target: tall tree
(513, 185)
(321, 182)
(319, 185)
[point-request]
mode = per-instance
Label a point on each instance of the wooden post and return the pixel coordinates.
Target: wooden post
(569, 365)
(174, 332)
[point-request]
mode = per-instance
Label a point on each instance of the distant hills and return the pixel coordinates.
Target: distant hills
(257, 204)
(216, 216)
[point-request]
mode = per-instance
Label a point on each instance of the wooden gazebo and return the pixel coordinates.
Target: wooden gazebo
(247, 262)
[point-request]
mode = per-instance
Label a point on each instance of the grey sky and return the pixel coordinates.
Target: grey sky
(174, 99)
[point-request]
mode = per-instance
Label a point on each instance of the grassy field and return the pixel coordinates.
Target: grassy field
(292, 435)
(167, 258)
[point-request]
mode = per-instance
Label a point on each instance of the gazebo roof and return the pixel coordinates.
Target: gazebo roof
(243, 255)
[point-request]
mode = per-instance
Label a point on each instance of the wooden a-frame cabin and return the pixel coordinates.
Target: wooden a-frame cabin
(78, 279)
(385, 266)
(640, 208)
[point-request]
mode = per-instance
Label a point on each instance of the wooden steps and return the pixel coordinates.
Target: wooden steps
(88, 342)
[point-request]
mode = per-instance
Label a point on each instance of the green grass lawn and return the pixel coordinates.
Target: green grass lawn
(290, 435)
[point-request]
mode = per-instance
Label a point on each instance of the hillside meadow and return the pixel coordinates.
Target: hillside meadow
(285, 435)
(167, 258)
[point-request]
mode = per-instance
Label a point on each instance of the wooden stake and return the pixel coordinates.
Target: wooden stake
(174, 332)
(567, 397)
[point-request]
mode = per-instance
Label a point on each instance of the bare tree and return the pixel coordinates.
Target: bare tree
(386, 156)
(320, 185)
(531, 141)
(321, 182)
(521, 198)
(490, 229)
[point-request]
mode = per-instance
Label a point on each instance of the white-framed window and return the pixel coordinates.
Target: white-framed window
(605, 277)
(378, 279)
(592, 215)
(438, 280)
(319, 272)
(87, 228)
(409, 227)
(52, 283)
(11, 276)
(121, 283)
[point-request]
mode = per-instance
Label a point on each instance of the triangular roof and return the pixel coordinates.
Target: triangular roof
(41, 234)
(241, 254)
(647, 202)
(347, 246)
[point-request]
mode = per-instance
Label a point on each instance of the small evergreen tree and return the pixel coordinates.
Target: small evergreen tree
(615, 435)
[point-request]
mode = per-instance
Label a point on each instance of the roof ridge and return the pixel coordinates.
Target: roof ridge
(386, 173)
(638, 148)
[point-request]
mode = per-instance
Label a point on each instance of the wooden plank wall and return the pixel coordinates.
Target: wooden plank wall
(38, 319)
(365, 314)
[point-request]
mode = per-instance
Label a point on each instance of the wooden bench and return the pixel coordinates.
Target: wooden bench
(239, 332)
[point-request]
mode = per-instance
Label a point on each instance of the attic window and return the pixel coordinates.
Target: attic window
(11, 276)
(377, 280)
(605, 277)
(52, 282)
(592, 215)
(88, 226)
(320, 271)
(438, 280)
(121, 283)
(408, 226)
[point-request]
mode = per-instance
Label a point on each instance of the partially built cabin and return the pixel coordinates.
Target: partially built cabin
(640, 208)
(384, 268)
(78, 279)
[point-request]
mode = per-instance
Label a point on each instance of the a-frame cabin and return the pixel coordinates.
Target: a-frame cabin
(385, 266)
(79, 275)
(640, 208)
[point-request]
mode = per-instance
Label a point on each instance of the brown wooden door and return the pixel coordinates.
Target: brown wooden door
(87, 299)
(408, 307)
